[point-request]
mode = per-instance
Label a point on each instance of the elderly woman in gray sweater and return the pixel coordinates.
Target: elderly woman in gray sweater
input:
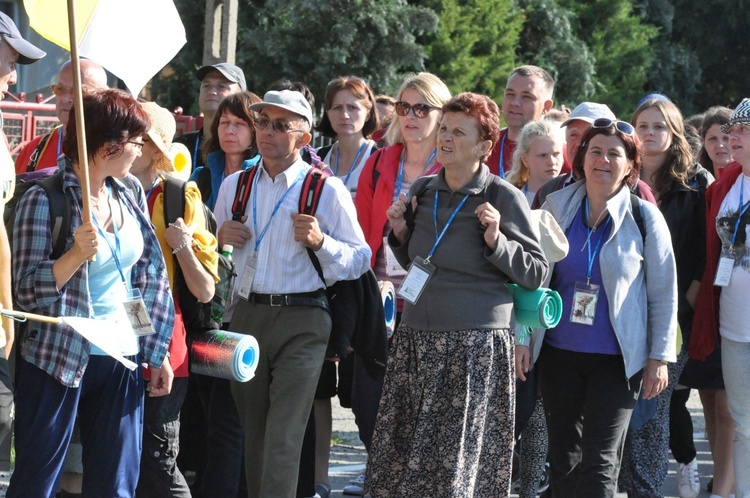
(619, 290)
(445, 425)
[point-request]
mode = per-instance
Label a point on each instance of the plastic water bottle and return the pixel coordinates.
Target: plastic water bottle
(223, 292)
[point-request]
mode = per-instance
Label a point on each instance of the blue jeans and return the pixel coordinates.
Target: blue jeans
(109, 404)
(735, 361)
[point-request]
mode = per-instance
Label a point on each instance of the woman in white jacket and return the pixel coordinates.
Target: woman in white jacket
(618, 285)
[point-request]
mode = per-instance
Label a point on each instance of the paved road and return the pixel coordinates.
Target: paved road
(348, 453)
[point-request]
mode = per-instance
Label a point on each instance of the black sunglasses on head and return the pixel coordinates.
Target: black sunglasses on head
(620, 126)
(420, 110)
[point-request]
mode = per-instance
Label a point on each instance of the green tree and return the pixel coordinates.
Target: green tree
(548, 41)
(315, 41)
(474, 46)
(716, 31)
(310, 41)
(176, 85)
(675, 70)
(620, 44)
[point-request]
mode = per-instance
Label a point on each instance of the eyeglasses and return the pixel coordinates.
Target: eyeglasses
(621, 126)
(276, 125)
(61, 90)
(420, 110)
(137, 144)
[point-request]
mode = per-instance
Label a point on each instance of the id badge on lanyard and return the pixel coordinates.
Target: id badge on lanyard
(135, 308)
(421, 270)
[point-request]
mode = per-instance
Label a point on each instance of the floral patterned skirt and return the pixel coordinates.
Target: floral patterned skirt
(445, 424)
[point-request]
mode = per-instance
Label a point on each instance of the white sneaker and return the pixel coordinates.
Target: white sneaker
(689, 485)
(355, 487)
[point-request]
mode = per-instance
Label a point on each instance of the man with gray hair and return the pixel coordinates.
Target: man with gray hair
(282, 300)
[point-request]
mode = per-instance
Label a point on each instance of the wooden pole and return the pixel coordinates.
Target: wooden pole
(83, 158)
(29, 316)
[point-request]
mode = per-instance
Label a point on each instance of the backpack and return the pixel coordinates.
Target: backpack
(195, 314)
(51, 180)
(356, 306)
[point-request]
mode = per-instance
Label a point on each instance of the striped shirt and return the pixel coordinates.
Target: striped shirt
(58, 349)
(284, 266)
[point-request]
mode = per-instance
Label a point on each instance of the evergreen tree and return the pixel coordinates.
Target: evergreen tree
(473, 48)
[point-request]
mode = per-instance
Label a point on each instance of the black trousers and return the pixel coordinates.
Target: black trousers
(588, 403)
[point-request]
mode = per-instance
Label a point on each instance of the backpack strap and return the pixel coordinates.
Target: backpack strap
(242, 194)
(635, 204)
(40, 149)
(174, 199)
(203, 181)
(59, 210)
(309, 198)
(312, 187)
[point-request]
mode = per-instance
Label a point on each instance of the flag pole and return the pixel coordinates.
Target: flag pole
(83, 158)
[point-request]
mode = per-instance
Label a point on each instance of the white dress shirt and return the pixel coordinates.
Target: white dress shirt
(284, 267)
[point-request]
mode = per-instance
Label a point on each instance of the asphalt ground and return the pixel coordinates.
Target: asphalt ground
(348, 456)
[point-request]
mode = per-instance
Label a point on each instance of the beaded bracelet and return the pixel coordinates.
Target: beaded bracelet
(180, 247)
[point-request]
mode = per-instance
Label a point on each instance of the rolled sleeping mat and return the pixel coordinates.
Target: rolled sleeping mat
(224, 354)
(388, 293)
(540, 308)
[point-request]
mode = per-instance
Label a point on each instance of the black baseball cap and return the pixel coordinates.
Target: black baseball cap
(27, 53)
(230, 72)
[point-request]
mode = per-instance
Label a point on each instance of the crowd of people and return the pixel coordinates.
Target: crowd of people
(640, 226)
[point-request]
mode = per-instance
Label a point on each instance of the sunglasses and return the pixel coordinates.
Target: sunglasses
(420, 110)
(620, 126)
(60, 90)
(277, 125)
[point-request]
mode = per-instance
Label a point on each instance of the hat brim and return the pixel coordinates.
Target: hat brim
(257, 107)
(577, 118)
(725, 127)
(27, 53)
(165, 162)
(202, 72)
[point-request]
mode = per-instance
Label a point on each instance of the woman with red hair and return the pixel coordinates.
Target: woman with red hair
(445, 425)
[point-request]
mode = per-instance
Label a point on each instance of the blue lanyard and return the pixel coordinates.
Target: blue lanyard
(445, 229)
(740, 211)
(59, 142)
(354, 164)
(400, 181)
(115, 250)
(588, 242)
(275, 209)
(501, 172)
(195, 150)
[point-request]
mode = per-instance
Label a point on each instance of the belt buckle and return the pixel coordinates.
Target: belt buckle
(277, 300)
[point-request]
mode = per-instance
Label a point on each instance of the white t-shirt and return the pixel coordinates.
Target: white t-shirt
(734, 315)
(353, 179)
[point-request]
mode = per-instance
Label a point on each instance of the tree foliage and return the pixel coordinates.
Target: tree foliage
(620, 44)
(715, 30)
(315, 41)
(675, 70)
(548, 41)
(310, 41)
(473, 48)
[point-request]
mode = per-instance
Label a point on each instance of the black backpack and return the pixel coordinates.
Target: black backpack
(195, 314)
(51, 180)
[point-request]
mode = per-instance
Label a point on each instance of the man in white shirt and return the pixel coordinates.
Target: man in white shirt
(282, 299)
